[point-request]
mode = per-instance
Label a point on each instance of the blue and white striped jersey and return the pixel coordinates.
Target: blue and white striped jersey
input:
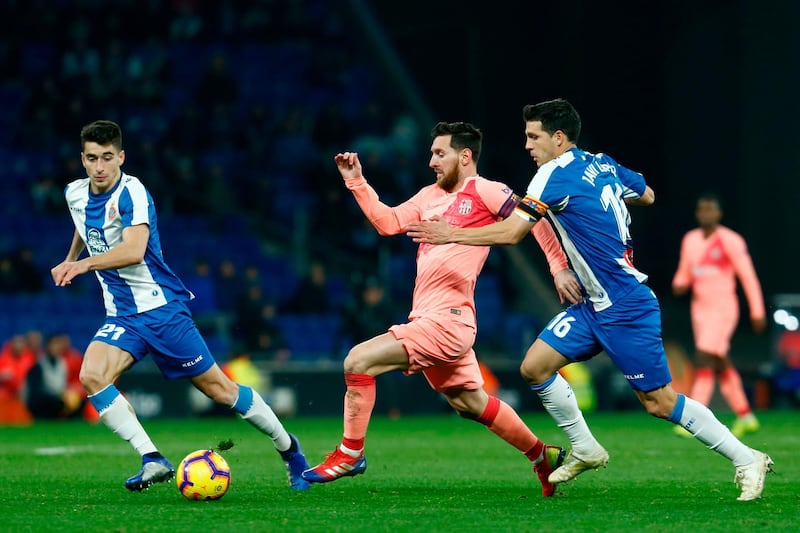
(100, 219)
(583, 194)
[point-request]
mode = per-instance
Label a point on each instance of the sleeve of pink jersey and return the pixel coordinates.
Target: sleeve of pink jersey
(551, 246)
(386, 220)
(683, 276)
(736, 248)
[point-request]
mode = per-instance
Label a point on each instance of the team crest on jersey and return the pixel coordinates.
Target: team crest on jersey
(112, 212)
(465, 207)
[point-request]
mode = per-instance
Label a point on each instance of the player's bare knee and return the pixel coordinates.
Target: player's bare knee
(531, 374)
(92, 381)
(354, 363)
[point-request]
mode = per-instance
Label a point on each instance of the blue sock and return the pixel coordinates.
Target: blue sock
(244, 401)
(677, 411)
(101, 400)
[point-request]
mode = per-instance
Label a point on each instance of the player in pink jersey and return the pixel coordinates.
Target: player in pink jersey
(712, 257)
(438, 338)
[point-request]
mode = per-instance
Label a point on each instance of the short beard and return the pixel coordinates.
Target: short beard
(447, 182)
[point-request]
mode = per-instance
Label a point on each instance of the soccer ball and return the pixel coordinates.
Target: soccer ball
(203, 475)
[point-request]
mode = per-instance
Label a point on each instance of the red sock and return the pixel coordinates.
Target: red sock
(504, 422)
(703, 387)
(359, 401)
(730, 385)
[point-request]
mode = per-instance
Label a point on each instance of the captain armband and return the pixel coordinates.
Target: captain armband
(531, 209)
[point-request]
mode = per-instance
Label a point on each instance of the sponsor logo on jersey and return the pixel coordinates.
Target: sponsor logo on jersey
(95, 242)
(630, 377)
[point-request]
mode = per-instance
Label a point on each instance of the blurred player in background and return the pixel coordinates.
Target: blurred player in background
(437, 341)
(712, 257)
(584, 196)
(146, 309)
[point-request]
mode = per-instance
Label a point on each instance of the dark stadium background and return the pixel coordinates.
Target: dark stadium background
(699, 96)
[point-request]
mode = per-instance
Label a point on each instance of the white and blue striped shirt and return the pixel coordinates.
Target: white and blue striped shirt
(583, 195)
(100, 219)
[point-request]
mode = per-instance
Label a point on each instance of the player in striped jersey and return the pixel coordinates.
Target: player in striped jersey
(584, 197)
(146, 311)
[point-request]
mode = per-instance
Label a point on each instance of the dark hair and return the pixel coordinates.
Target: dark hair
(710, 197)
(102, 132)
(555, 115)
(463, 135)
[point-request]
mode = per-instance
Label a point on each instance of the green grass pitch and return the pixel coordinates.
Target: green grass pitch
(433, 473)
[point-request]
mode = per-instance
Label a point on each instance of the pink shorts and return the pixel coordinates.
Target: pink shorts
(442, 350)
(713, 328)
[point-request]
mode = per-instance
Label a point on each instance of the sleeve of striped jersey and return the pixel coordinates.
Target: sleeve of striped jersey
(633, 182)
(531, 209)
(385, 219)
(134, 205)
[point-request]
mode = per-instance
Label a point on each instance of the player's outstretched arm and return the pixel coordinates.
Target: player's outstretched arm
(385, 219)
(437, 231)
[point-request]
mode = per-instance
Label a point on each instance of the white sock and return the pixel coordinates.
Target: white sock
(349, 451)
(263, 418)
(559, 400)
(120, 417)
(701, 422)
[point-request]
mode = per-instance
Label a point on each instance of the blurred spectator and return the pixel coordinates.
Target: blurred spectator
(186, 24)
(202, 285)
(35, 342)
(8, 274)
(311, 295)
(19, 272)
(217, 86)
(30, 277)
(53, 386)
(228, 285)
(256, 327)
(367, 316)
(80, 62)
(48, 197)
(147, 67)
(16, 359)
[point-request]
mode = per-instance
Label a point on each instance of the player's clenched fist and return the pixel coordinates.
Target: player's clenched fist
(349, 165)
